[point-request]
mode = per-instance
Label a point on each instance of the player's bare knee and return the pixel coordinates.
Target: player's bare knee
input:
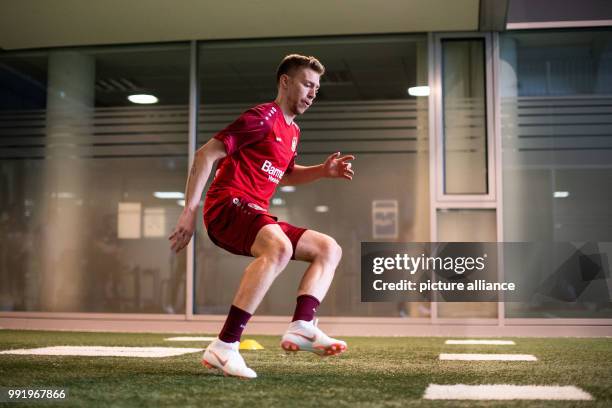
(330, 251)
(279, 252)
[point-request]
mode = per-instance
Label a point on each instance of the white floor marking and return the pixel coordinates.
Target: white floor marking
(504, 392)
(101, 351)
(488, 357)
(486, 342)
(190, 338)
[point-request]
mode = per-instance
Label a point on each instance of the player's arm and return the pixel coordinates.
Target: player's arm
(335, 166)
(202, 165)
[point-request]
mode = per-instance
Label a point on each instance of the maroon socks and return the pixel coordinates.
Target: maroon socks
(305, 308)
(237, 318)
(234, 325)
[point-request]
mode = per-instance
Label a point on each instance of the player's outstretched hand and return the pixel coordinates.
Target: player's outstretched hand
(183, 231)
(336, 166)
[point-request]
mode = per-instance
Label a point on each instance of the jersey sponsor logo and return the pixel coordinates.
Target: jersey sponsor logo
(274, 174)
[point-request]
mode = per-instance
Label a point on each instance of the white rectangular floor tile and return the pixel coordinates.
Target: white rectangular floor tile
(504, 392)
(484, 342)
(102, 351)
(488, 357)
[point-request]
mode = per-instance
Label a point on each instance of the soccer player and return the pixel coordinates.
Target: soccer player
(256, 153)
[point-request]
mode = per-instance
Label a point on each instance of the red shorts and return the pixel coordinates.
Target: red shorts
(233, 221)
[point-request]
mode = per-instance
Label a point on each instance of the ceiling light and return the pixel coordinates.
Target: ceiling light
(418, 91)
(561, 194)
(288, 189)
(321, 208)
(143, 99)
(278, 201)
(171, 195)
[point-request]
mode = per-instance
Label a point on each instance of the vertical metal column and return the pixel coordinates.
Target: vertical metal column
(434, 91)
(193, 136)
(497, 146)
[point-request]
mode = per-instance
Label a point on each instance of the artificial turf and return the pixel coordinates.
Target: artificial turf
(375, 371)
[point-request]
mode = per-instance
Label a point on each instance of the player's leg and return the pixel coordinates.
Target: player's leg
(323, 255)
(272, 251)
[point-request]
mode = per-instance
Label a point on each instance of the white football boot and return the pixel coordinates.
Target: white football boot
(225, 357)
(306, 336)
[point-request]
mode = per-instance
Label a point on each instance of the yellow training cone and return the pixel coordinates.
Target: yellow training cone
(250, 344)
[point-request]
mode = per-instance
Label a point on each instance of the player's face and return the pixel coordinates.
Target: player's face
(302, 90)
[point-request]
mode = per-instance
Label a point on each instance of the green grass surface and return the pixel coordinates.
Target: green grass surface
(390, 372)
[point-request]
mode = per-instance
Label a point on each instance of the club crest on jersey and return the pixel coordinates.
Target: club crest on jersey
(293, 143)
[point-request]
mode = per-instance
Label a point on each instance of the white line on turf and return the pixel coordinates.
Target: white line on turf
(101, 351)
(488, 357)
(190, 338)
(485, 342)
(504, 392)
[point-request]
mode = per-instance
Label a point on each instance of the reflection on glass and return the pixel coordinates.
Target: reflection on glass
(556, 92)
(78, 167)
(464, 115)
(362, 107)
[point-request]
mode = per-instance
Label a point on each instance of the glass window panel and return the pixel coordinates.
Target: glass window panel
(79, 163)
(464, 116)
(556, 93)
(467, 226)
(363, 107)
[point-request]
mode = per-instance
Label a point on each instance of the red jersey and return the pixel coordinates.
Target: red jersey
(261, 148)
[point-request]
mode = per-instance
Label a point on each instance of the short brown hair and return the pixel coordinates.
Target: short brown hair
(294, 61)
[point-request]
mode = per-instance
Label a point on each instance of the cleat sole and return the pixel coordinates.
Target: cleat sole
(323, 351)
(211, 367)
(208, 365)
(290, 347)
(332, 350)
